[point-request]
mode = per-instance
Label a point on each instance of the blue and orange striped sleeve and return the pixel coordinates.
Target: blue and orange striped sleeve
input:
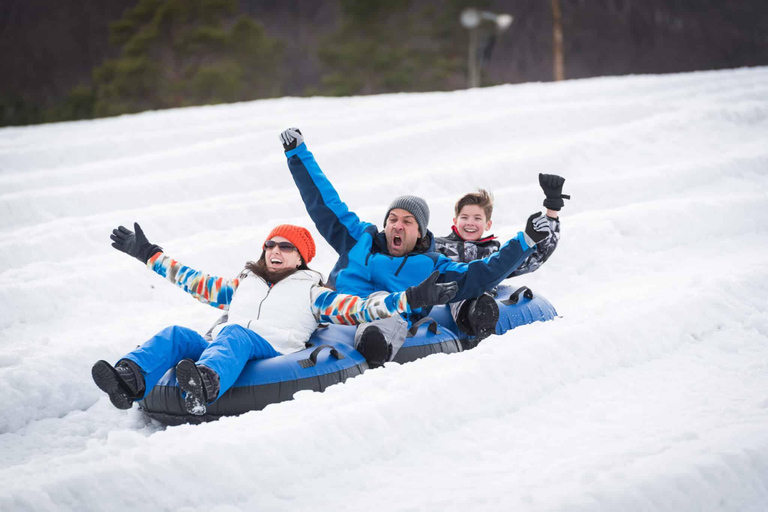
(338, 308)
(214, 291)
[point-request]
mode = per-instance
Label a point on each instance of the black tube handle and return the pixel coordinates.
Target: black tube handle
(527, 293)
(415, 327)
(309, 344)
(312, 361)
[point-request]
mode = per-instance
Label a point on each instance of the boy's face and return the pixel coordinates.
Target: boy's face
(471, 222)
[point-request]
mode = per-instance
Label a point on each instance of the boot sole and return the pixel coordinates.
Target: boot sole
(374, 347)
(484, 318)
(108, 380)
(191, 382)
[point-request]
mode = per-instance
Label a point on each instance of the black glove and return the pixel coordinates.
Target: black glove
(134, 244)
(430, 293)
(291, 139)
(537, 228)
(552, 185)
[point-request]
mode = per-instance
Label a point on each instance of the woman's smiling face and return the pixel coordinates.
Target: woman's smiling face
(281, 259)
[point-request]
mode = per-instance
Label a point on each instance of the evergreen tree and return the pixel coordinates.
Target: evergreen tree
(395, 45)
(185, 52)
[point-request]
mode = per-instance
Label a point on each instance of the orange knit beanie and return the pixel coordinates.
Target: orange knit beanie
(299, 237)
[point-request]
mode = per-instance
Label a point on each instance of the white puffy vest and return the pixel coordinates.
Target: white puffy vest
(282, 315)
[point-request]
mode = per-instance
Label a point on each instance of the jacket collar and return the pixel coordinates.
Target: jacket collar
(478, 241)
(299, 275)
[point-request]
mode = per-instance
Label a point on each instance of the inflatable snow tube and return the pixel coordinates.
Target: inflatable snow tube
(517, 306)
(262, 382)
(424, 338)
(329, 359)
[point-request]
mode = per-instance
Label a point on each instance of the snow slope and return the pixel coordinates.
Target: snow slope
(649, 393)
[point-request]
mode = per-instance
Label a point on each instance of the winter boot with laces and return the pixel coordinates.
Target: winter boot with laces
(124, 383)
(200, 385)
(374, 347)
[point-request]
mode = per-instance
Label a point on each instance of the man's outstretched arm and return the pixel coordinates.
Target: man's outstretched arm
(478, 276)
(340, 227)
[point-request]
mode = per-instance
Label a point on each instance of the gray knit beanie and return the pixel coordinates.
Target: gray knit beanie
(417, 206)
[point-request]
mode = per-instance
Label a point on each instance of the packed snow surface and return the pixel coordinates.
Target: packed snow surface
(649, 392)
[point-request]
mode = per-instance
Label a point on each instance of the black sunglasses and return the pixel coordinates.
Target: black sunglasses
(284, 246)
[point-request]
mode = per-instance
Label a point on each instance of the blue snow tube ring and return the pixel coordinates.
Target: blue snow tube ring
(517, 306)
(330, 358)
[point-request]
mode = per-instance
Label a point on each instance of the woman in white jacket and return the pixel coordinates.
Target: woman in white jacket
(272, 307)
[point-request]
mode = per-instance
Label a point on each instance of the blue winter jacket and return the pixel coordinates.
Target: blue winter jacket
(364, 264)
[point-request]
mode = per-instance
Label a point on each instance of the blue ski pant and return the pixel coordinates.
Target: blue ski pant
(226, 355)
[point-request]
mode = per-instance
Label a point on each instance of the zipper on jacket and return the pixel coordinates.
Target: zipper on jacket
(401, 265)
(269, 289)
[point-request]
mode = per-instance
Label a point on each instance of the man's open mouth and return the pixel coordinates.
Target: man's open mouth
(397, 241)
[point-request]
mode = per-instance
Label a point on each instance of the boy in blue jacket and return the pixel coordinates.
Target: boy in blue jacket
(402, 254)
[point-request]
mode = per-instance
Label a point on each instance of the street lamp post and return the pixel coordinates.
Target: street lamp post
(557, 41)
(471, 19)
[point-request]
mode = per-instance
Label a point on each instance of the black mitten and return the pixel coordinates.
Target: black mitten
(134, 244)
(552, 185)
(537, 228)
(291, 139)
(430, 293)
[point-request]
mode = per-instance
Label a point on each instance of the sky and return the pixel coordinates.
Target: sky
(648, 392)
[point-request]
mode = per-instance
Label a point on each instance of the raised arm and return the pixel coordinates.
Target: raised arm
(543, 250)
(211, 290)
(214, 291)
(340, 227)
(552, 185)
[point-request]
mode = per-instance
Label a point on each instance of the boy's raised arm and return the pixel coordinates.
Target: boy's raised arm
(552, 185)
(543, 251)
(340, 227)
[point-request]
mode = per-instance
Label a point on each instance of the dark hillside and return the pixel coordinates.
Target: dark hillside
(54, 51)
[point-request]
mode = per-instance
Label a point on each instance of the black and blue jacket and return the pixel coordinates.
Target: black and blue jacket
(364, 264)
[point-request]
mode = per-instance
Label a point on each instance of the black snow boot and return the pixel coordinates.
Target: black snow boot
(483, 315)
(374, 347)
(200, 385)
(123, 383)
(478, 317)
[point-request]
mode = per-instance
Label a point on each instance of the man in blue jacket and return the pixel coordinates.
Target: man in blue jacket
(400, 256)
